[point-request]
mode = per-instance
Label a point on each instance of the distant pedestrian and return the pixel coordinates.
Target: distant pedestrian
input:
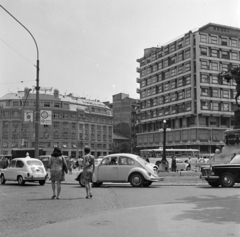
(174, 164)
(80, 163)
(56, 163)
(88, 170)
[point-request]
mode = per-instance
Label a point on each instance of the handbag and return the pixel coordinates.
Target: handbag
(64, 166)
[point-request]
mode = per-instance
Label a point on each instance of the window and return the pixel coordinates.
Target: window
(205, 78)
(166, 99)
(180, 57)
(166, 86)
(187, 54)
(173, 48)
(173, 97)
(215, 106)
(203, 51)
(172, 60)
(57, 105)
(180, 108)
(187, 67)
(234, 43)
(215, 92)
(214, 66)
(187, 80)
(154, 68)
(174, 109)
(234, 56)
(214, 53)
(160, 100)
(15, 103)
(225, 54)
(204, 65)
(154, 79)
(154, 90)
(160, 89)
(213, 39)
(180, 95)
(166, 50)
(166, 111)
(187, 40)
(167, 74)
(46, 104)
(214, 79)
(143, 83)
(154, 102)
(149, 81)
(203, 38)
(225, 107)
(224, 67)
(160, 65)
(188, 93)
(165, 62)
(180, 69)
(180, 82)
(160, 77)
(173, 84)
(204, 105)
(205, 92)
(56, 125)
(188, 106)
(173, 72)
(224, 41)
(225, 93)
(180, 43)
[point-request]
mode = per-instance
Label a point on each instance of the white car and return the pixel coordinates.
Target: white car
(123, 168)
(24, 170)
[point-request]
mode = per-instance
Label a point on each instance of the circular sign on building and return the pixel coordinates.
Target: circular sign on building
(46, 117)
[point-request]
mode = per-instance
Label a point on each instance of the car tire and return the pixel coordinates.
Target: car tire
(97, 184)
(136, 180)
(42, 182)
(214, 184)
(227, 180)
(147, 183)
(20, 180)
(81, 181)
(3, 180)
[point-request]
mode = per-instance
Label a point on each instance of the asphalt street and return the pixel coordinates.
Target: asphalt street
(164, 209)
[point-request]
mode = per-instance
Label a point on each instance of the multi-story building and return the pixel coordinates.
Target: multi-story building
(125, 119)
(67, 122)
(179, 84)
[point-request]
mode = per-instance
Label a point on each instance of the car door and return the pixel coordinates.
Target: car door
(10, 170)
(125, 164)
(107, 170)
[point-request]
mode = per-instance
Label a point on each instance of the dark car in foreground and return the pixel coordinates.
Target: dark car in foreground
(225, 175)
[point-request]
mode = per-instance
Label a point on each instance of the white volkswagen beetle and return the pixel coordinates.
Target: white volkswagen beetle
(24, 170)
(123, 168)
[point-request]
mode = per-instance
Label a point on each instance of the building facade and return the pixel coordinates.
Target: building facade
(179, 84)
(67, 122)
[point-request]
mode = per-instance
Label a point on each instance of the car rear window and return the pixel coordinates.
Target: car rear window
(34, 162)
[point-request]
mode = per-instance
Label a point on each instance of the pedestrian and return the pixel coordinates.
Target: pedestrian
(174, 164)
(88, 170)
(70, 165)
(80, 163)
(56, 163)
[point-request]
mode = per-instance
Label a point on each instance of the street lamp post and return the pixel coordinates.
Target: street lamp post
(164, 139)
(37, 115)
(81, 143)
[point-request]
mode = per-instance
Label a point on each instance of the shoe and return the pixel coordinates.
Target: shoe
(90, 195)
(87, 196)
(53, 197)
(58, 198)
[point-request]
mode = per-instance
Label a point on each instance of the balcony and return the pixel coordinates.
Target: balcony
(138, 69)
(138, 80)
(138, 90)
(138, 60)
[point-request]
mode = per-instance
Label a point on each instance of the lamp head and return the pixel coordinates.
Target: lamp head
(164, 121)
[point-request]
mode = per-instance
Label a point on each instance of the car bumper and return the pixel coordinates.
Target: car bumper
(156, 179)
(209, 177)
(32, 178)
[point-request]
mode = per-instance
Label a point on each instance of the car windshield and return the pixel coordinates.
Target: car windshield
(235, 160)
(34, 162)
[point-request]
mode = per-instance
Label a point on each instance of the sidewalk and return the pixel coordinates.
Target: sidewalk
(181, 178)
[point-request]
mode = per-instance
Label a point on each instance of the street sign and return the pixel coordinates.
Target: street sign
(28, 116)
(46, 117)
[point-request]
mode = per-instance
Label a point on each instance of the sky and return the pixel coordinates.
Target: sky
(89, 47)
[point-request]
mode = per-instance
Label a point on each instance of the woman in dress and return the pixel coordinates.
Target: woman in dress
(56, 163)
(88, 170)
